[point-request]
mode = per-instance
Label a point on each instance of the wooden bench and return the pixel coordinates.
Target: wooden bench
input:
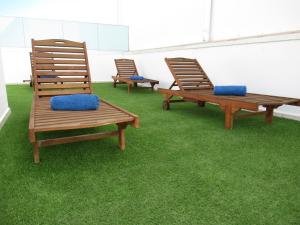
(127, 68)
(195, 86)
(70, 61)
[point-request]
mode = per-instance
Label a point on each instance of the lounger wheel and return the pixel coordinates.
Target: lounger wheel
(166, 105)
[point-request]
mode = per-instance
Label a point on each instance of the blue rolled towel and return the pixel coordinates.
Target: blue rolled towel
(75, 102)
(48, 76)
(136, 77)
(238, 90)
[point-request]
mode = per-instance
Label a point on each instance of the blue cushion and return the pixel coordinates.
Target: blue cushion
(137, 77)
(75, 102)
(238, 90)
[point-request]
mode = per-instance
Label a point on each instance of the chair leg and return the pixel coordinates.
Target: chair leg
(228, 119)
(166, 105)
(115, 84)
(230, 111)
(166, 102)
(152, 86)
(36, 153)
(269, 114)
(129, 88)
(201, 103)
(121, 130)
(135, 84)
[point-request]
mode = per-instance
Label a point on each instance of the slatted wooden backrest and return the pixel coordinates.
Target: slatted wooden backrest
(188, 74)
(126, 67)
(66, 61)
(31, 62)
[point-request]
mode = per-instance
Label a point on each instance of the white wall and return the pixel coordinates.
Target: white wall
(266, 68)
(101, 64)
(159, 23)
(236, 18)
(4, 109)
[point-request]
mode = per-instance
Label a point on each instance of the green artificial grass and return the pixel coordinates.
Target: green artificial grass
(180, 167)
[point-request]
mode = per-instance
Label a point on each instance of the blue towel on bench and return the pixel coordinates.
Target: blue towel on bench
(238, 90)
(75, 102)
(136, 77)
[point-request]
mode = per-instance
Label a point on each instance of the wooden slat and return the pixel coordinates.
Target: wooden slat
(55, 86)
(63, 92)
(191, 73)
(51, 67)
(185, 66)
(56, 61)
(55, 55)
(196, 88)
(79, 119)
(57, 43)
(193, 83)
(59, 79)
(70, 50)
(47, 73)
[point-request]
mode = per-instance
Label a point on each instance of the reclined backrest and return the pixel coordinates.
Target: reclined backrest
(188, 74)
(126, 67)
(60, 67)
(31, 62)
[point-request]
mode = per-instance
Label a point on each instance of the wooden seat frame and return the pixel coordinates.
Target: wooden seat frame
(195, 86)
(127, 68)
(69, 60)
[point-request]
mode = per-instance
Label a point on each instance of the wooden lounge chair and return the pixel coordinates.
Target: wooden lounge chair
(31, 81)
(70, 61)
(195, 86)
(126, 68)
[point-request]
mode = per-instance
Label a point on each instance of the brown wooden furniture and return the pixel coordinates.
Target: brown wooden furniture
(70, 61)
(126, 68)
(195, 86)
(31, 77)
(31, 81)
(31, 66)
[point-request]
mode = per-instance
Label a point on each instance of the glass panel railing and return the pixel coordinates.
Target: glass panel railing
(18, 32)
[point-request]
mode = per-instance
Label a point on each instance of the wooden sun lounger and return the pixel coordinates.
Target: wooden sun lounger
(70, 62)
(31, 81)
(195, 86)
(126, 68)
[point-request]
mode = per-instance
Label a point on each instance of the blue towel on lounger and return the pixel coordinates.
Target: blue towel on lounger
(238, 90)
(48, 76)
(75, 102)
(136, 77)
